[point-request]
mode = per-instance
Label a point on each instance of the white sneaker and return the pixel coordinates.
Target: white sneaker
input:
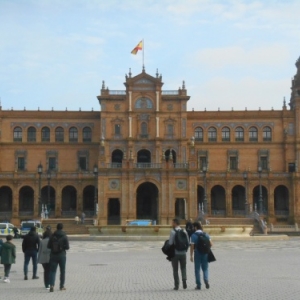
(6, 280)
(48, 288)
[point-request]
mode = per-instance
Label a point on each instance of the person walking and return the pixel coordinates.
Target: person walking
(30, 247)
(200, 247)
(44, 257)
(58, 244)
(82, 218)
(189, 227)
(8, 257)
(179, 238)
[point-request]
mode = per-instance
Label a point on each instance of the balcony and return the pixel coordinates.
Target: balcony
(181, 165)
(114, 165)
(148, 166)
(117, 92)
(170, 92)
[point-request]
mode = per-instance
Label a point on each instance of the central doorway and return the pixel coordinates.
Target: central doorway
(113, 217)
(147, 201)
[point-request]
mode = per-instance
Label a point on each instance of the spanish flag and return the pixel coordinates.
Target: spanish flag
(137, 48)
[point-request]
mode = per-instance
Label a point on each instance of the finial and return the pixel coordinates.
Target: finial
(129, 73)
(38, 108)
(193, 109)
(156, 73)
(79, 108)
(284, 102)
(103, 84)
(160, 77)
(24, 108)
(66, 109)
(92, 108)
(126, 77)
(52, 108)
(143, 68)
(183, 85)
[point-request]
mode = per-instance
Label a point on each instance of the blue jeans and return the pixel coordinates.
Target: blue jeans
(55, 260)
(33, 255)
(200, 261)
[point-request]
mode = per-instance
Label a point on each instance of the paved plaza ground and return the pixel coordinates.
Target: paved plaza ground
(139, 270)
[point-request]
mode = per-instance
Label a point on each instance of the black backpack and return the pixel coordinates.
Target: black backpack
(181, 240)
(203, 243)
(57, 244)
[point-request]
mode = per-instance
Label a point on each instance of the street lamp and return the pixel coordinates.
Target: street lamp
(204, 170)
(40, 171)
(245, 175)
(260, 198)
(48, 191)
(95, 171)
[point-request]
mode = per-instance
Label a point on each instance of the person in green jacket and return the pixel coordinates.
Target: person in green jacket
(8, 257)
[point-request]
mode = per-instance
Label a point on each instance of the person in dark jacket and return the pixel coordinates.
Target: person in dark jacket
(30, 247)
(8, 257)
(58, 244)
(44, 257)
(189, 227)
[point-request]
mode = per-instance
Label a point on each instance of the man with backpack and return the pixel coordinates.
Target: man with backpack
(58, 244)
(200, 247)
(30, 247)
(180, 240)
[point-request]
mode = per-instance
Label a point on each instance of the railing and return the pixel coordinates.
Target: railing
(114, 165)
(239, 212)
(169, 136)
(181, 165)
(148, 166)
(89, 213)
(284, 213)
(170, 92)
(144, 136)
(283, 228)
(117, 92)
(69, 214)
(26, 213)
(219, 212)
(5, 216)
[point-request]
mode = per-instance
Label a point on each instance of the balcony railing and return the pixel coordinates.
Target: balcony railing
(218, 213)
(170, 92)
(283, 213)
(26, 213)
(148, 166)
(117, 92)
(114, 165)
(238, 212)
(181, 165)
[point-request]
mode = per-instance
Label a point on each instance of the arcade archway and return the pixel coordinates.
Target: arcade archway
(147, 201)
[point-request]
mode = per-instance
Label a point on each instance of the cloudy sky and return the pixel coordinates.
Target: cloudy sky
(233, 53)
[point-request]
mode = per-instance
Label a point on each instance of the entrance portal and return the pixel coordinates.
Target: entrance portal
(147, 201)
(113, 212)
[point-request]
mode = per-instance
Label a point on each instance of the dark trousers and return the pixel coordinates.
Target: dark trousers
(176, 260)
(30, 254)
(58, 260)
(46, 274)
(7, 270)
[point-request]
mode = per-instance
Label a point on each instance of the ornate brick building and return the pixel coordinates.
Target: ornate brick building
(143, 155)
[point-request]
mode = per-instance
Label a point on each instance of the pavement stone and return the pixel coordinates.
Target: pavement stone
(136, 270)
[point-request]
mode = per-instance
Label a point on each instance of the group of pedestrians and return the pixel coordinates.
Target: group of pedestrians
(179, 242)
(50, 252)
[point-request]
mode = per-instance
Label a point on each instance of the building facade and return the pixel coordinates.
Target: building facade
(144, 156)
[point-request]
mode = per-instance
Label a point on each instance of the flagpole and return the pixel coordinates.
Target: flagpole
(143, 54)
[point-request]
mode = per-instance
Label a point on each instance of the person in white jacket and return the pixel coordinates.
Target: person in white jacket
(44, 257)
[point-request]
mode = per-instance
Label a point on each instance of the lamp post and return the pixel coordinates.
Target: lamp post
(204, 170)
(48, 190)
(260, 198)
(245, 175)
(95, 171)
(40, 171)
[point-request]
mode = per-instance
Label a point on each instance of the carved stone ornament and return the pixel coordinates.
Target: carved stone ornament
(181, 184)
(114, 184)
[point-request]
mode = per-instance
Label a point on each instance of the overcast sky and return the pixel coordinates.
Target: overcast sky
(230, 53)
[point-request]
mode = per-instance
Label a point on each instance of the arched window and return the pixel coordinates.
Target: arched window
(198, 134)
(18, 134)
(144, 129)
(87, 134)
(73, 134)
(225, 134)
(31, 134)
(253, 135)
(267, 134)
(45, 134)
(212, 134)
(59, 134)
(239, 134)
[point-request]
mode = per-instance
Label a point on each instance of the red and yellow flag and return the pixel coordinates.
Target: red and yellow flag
(137, 48)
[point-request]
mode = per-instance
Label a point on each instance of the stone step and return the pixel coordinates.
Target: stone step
(230, 221)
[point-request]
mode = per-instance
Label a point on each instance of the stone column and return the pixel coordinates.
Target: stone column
(228, 196)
